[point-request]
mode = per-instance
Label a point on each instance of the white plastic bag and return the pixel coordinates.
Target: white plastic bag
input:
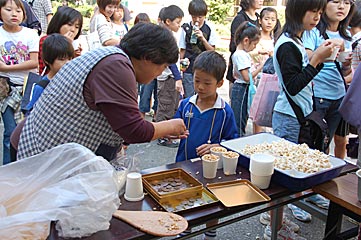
(67, 184)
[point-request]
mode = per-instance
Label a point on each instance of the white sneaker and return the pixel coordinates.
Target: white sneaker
(285, 233)
(265, 219)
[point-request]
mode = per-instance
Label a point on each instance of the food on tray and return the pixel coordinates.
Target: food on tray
(218, 149)
(210, 157)
(168, 185)
(230, 154)
(292, 156)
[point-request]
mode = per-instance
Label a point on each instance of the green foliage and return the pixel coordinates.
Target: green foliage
(218, 10)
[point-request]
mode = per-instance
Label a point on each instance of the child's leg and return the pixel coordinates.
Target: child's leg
(211, 234)
(340, 146)
(239, 105)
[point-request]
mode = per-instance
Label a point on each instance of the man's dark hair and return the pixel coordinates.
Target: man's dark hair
(56, 46)
(150, 42)
(65, 15)
(171, 12)
(212, 63)
(198, 8)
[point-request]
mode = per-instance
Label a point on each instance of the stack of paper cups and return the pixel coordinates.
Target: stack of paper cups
(218, 151)
(261, 168)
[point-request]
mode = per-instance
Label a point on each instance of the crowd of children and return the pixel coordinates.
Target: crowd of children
(312, 30)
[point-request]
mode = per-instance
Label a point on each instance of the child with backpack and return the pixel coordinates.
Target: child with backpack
(205, 40)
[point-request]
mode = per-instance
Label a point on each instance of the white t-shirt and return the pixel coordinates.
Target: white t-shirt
(119, 30)
(15, 48)
(241, 60)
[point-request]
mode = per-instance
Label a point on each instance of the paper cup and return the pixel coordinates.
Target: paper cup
(230, 160)
(262, 164)
(343, 55)
(134, 187)
(219, 151)
(358, 173)
(333, 55)
(262, 182)
(209, 165)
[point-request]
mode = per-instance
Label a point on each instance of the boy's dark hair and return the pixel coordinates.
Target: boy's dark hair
(247, 4)
(342, 26)
(103, 3)
(212, 63)
(356, 18)
(18, 3)
(63, 16)
(198, 8)
(56, 46)
(171, 12)
(141, 17)
(150, 42)
(247, 29)
(295, 12)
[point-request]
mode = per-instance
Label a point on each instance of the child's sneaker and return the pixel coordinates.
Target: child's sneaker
(284, 233)
(299, 214)
(319, 201)
(265, 219)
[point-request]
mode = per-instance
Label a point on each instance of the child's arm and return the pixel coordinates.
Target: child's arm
(205, 148)
(27, 65)
(244, 74)
(206, 44)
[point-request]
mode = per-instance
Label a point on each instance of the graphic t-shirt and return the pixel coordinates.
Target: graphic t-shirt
(15, 48)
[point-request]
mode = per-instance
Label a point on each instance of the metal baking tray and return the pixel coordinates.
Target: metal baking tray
(237, 192)
(184, 202)
(291, 179)
(155, 182)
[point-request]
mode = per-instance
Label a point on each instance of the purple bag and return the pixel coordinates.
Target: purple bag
(350, 107)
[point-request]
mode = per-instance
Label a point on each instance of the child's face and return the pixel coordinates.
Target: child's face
(174, 25)
(311, 19)
(199, 19)
(337, 11)
(268, 21)
(109, 10)
(58, 63)
(11, 14)
(118, 14)
(249, 45)
(70, 30)
(205, 84)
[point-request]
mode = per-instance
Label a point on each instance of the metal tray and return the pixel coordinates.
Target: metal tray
(238, 192)
(290, 179)
(153, 182)
(185, 202)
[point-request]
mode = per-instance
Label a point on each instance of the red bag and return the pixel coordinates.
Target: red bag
(264, 100)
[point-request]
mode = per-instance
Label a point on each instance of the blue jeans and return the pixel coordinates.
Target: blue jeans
(329, 111)
(188, 84)
(239, 100)
(146, 91)
(9, 126)
(285, 126)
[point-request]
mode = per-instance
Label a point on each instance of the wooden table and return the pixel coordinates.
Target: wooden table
(342, 192)
(280, 196)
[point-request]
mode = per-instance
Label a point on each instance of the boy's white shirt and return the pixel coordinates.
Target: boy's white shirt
(212, 38)
(167, 72)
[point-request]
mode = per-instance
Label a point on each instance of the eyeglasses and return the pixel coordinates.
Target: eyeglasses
(346, 2)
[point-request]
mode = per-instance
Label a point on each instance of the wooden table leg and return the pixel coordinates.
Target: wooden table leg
(334, 220)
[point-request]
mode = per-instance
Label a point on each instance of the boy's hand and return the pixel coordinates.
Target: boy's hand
(205, 148)
(179, 87)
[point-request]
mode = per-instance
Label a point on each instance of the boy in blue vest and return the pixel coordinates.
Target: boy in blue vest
(208, 118)
(206, 40)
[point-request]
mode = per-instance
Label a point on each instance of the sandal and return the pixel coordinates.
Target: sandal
(319, 201)
(299, 214)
